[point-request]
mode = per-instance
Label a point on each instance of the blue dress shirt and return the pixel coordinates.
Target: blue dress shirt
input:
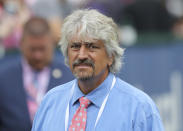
(127, 108)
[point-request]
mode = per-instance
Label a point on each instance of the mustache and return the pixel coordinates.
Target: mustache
(84, 61)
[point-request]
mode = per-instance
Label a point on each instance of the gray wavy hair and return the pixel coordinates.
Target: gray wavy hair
(91, 23)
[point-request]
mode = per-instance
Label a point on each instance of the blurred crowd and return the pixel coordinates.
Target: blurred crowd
(14, 13)
(134, 16)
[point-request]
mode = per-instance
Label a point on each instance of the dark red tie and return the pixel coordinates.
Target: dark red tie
(79, 119)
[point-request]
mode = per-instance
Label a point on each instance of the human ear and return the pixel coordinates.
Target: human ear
(110, 61)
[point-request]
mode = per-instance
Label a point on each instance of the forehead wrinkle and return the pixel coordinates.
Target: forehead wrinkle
(81, 39)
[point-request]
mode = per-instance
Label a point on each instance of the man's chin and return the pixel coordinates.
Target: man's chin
(84, 77)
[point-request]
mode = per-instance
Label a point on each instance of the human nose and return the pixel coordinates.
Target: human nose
(83, 52)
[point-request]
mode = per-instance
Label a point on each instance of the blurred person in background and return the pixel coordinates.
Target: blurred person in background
(13, 14)
(25, 79)
(97, 100)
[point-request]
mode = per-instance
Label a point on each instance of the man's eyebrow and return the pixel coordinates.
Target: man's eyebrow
(75, 43)
(88, 42)
(82, 43)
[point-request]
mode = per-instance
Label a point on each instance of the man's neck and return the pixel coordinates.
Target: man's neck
(87, 86)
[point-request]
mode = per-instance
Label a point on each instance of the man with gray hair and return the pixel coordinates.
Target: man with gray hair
(96, 100)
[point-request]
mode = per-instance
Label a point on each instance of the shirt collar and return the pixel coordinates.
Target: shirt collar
(97, 95)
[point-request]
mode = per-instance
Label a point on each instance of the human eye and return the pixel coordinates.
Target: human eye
(75, 46)
(92, 46)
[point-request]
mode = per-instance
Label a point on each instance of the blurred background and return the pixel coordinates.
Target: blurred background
(150, 30)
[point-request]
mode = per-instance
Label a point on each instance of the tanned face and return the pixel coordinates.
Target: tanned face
(88, 59)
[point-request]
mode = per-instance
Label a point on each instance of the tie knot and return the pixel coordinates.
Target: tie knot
(84, 102)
